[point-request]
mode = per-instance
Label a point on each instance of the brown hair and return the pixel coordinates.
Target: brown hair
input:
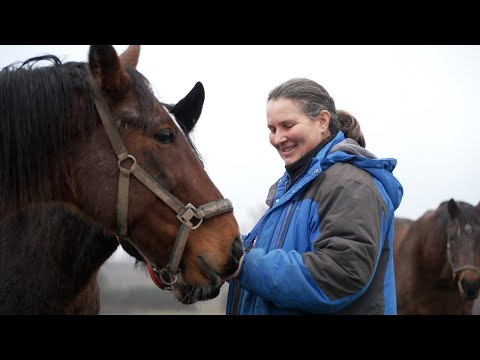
(350, 127)
(310, 96)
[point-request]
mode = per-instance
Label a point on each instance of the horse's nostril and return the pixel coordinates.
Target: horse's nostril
(236, 252)
(237, 249)
(209, 272)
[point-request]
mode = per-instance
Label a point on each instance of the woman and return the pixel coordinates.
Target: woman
(325, 243)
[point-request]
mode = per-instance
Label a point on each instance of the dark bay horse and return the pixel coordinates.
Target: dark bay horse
(401, 227)
(90, 159)
(437, 260)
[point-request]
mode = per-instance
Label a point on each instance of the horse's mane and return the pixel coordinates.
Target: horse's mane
(41, 110)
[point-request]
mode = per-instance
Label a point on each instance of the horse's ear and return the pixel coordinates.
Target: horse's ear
(107, 71)
(131, 55)
(453, 209)
(188, 110)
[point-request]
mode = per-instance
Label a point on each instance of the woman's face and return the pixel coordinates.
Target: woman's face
(292, 132)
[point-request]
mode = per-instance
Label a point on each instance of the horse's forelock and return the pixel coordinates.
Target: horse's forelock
(145, 98)
(466, 213)
(469, 213)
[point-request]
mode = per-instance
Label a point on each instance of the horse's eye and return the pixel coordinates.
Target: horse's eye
(454, 236)
(164, 136)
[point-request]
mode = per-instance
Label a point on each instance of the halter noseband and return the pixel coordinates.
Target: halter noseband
(165, 277)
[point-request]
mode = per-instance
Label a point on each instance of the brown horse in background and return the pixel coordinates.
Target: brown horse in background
(401, 227)
(90, 159)
(437, 260)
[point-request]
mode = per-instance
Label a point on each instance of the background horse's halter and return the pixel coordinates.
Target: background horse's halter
(168, 275)
(468, 230)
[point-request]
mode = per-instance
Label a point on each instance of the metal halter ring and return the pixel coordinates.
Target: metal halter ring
(125, 170)
(172, 277)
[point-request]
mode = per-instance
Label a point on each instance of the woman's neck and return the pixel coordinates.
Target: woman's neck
(298, 167)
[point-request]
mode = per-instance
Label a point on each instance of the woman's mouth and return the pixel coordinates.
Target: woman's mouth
(288, 149)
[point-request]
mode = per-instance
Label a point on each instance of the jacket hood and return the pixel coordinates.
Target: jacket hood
(347, 150)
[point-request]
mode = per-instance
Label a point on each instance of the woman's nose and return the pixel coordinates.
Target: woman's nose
(279, 138)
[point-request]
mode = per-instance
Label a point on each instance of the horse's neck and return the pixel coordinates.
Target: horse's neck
(432, 247)
(82, 245)
(50, 253)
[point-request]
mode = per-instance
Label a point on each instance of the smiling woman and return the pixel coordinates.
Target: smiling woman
(325, 244)
(105, 162)
(404, 97)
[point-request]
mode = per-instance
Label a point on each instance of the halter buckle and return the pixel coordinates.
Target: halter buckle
(187, 213)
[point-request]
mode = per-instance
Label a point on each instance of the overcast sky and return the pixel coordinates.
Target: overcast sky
(418, 104)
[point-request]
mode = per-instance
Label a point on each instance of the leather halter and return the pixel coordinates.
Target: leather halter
(455, 270)
(166, 276)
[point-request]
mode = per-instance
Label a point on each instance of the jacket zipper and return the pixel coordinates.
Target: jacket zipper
(281, 237)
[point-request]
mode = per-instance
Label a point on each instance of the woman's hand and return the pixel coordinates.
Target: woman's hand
(235, 274)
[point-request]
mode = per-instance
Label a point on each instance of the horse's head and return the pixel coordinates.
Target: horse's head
(149, 182)
(463, 247)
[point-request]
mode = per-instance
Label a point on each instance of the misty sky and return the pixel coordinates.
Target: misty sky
(418, 104)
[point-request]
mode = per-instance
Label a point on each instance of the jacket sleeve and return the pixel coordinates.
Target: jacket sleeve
(344, 251)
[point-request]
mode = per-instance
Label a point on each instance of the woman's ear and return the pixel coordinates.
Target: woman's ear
(324, 118)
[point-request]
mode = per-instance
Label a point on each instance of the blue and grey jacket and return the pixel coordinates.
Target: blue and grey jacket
(325, 245)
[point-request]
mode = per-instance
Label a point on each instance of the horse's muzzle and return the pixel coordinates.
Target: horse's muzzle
(470, 289)
(188, 294)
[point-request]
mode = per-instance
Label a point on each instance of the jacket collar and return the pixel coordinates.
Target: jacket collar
(296, 169)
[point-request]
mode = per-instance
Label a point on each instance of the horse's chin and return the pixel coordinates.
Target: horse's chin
(469, 290)
(470, 295)
(188, 294)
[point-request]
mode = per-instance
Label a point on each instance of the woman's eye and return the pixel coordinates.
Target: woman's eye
(164, 136)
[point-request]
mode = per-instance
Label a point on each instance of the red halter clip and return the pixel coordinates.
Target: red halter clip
(154, 278)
